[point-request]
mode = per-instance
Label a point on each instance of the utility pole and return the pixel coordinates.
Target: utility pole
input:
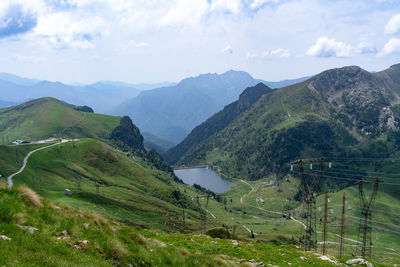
(364, 232)
(205, 223)
(208, 197)
(325, 224)
(201, 223)
(16, 154)
(183, 221)
(169, 223)
(342, 226)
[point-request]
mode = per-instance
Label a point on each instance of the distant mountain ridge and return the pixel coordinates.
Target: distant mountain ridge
(217, 122)
(101, 97)
(171, 113)
(174, 111)
(340, 112)
(283, 83)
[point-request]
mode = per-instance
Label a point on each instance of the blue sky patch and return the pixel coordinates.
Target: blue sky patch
(16, 22)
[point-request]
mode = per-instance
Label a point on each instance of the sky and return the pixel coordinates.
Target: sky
(167, 40)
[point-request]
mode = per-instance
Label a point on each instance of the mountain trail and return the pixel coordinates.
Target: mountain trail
(252, 189)
(9, 179)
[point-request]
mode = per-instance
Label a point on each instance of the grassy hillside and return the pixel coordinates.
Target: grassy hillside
(270, 222)
(131, 188)
(49, 117)
(134, 193)
(64, 236)
(339, 113)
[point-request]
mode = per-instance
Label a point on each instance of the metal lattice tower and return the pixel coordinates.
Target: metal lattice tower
(309, 198)
(325, 229)
(364, 231)
(342, 227)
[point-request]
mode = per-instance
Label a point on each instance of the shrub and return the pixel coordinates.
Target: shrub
(219, 232)
(116, 250)
(7, 212)
(29, 196)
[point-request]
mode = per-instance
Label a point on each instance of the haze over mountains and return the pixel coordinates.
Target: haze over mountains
(339, 112)
(344, 112)
(102, 96)
(170, 113)
(166, 112)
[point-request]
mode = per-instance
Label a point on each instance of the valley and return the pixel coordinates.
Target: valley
(243, 197)
(199, 133)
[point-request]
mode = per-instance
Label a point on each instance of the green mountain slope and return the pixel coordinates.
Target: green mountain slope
(137, 176)
(64, 236)
(49, 117)
(131, 188)
(217, 122)
(340, 112)
(170, 113)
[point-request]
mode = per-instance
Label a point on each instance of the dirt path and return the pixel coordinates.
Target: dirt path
(270, 211)
(252, 189)
(9, 179)
(75, 123)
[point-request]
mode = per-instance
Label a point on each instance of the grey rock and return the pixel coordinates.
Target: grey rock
(3, 237)
(359, 261)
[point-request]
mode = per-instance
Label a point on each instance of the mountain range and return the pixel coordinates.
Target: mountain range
(339, 112)
(102, 96)
(170, 113)
(110, 97)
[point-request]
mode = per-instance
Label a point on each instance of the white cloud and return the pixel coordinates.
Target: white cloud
(393, 26)
(251, 56)
(233, 6)
(392, 46)
(24, 58)
(184, 12)
(269, 54)
(137, 44)
(64, 29)
(258, 3)
(325, 47)
(280, 52)
(227, 50)
(366, 48)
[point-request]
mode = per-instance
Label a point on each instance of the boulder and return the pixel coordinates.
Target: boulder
(359, 261)
(3, 237)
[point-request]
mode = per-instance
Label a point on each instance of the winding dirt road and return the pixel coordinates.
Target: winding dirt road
(9, 179)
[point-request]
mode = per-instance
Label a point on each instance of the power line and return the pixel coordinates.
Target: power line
(341, 178)
(367, 171)
(395, 225)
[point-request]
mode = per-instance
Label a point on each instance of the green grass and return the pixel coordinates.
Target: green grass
(110, 243)
(26, 121)
(273, 228)
(131, 190)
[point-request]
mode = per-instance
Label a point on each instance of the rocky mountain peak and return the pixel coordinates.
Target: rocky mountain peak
(252, 94)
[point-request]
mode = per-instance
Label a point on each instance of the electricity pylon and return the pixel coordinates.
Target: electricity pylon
(364, 231)
(309, 197)
(342, 227)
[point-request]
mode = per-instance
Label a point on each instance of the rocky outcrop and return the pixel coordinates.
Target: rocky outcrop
(126, 133)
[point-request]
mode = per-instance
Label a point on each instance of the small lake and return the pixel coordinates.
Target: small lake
(205, 177)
